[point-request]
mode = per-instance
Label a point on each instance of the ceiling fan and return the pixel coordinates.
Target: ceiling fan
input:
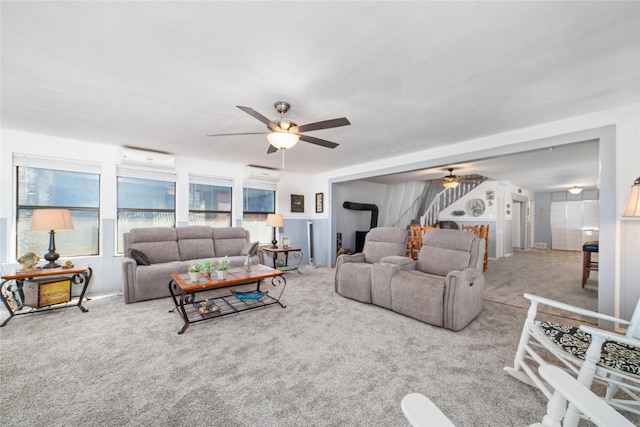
(284, 133)
(452, 181)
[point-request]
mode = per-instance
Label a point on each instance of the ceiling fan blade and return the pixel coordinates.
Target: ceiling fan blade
(325, 124)
(242, 133)
(318, 141)
(271, 149)
(254, 113)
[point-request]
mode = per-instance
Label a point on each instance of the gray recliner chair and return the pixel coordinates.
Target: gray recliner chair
(444, 287)
(353, 272)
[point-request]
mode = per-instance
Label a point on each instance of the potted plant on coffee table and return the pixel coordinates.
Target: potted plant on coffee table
(222, 268)
(194, 272)
(207, 266)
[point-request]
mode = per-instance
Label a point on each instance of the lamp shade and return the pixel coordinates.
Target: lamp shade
(51, 219)
(275, 220)
(283, 140)
(450, 184)
(633, 207)
(575, 190)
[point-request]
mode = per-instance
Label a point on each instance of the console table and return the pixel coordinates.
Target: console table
(273, 252)
(41, 289)
(183, 291)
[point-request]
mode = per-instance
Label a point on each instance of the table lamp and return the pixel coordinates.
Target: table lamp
(274, 220)
(633, 206)
(51, 220)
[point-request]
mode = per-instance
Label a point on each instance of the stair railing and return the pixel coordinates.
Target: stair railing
(447, 197)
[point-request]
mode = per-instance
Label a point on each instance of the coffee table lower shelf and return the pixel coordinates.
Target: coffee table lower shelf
(227, 305)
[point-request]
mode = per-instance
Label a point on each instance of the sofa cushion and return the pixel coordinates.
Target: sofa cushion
(153, 281)
(195, 241)
(418, 295)
(139, 257)
(450, 239)
(440, 261)
(229, 241)
(384, 241)
(249, 249)
(158, 243)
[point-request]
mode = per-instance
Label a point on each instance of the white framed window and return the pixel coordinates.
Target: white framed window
(145, 199)
(210, 201)
(47, 182)
(258, 200)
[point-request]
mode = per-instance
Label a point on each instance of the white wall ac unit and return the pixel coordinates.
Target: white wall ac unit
(263, 174)
(132, 156)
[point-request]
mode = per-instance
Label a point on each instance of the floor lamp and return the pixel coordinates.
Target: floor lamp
(51, 220)
(274, 220)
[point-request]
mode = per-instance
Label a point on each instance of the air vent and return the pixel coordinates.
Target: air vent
(263, 174)
(132, 156)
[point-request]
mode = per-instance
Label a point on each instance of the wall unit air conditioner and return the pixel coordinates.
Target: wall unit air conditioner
(132, 156)
(263, 174)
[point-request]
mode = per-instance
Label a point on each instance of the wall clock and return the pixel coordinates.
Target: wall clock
(475, 207)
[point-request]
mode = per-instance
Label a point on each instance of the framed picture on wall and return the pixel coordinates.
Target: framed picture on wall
(297, 203)
(319, 202)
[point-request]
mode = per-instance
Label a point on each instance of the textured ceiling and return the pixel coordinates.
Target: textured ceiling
(408, 75)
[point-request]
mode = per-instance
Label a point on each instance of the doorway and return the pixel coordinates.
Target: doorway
(519, 223)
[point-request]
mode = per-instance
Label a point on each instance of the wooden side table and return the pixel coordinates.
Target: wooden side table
(273, 252)
(31, 291)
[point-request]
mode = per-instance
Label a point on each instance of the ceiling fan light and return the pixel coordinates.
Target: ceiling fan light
(575, 190)
(450, 184)
(283, 140)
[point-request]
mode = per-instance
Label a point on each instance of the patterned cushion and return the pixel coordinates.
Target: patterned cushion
(617, 356)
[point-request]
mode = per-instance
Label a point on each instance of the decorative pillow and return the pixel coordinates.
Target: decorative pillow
(249, 249)
(139, 257)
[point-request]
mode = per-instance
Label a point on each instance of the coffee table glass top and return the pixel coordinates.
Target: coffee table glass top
(235, 275)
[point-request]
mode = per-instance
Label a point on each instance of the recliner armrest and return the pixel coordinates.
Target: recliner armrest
(463, 297)
(403, 262)
(344, 258)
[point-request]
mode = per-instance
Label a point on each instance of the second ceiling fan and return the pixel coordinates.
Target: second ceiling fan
(284, 133)
(452, 181)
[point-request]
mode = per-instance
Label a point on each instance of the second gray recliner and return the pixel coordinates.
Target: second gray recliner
(444, 287)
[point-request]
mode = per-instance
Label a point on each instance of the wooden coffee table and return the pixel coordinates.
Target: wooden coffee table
(184, 293)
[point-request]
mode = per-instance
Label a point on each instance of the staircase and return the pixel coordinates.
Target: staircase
(448, 196)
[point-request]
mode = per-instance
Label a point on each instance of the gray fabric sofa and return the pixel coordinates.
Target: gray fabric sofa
(170, 250)
(444, 287)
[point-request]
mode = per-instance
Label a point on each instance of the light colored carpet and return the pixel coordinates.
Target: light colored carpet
(552, 274)
(322, 361)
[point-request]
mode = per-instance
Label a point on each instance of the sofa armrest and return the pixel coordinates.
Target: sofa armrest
(129, 266)
(463, 297)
